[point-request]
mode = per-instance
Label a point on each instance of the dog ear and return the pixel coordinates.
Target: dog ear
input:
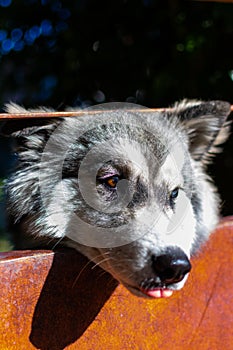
(23, 128)
(206, 125)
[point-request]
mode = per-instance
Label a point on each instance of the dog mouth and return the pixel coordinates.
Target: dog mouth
(158, 293)
(155, 293)
(151, 289)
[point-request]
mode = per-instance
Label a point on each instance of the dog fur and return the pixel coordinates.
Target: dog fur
(143, 194)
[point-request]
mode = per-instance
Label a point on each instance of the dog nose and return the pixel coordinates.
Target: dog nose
(172, 266)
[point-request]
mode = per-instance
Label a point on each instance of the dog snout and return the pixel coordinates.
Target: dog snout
(171, 266)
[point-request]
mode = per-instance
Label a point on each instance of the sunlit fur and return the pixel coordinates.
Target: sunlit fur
(182, 139)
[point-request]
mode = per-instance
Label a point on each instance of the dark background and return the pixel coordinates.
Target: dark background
(85, 52)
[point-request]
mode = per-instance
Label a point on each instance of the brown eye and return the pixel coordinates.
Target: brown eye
(109, 181)
(112, 181)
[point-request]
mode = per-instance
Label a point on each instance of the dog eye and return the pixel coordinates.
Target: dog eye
(174, 194)
(111, 182)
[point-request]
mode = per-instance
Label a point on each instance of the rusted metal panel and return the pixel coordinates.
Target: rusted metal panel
(54, 301)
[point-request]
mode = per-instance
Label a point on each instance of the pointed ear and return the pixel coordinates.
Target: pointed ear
(26, 127)
(206, 125)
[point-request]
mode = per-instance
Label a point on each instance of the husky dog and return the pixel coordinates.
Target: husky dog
(124, 186)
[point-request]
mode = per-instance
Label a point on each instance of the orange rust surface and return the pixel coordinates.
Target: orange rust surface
(54, 301)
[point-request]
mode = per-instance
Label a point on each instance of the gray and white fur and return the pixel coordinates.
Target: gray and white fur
(125, 187)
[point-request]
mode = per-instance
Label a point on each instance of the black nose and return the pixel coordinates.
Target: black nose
(172, 266)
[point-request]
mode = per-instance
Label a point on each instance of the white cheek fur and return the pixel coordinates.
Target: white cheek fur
(178, 227)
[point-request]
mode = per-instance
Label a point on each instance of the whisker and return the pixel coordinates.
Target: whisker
(80, 273)
(85, 266)
(100, 262)
(58, 241)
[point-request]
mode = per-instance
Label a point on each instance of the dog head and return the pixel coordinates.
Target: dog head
(125, 187)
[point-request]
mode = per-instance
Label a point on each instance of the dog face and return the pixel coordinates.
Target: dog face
(126, 188)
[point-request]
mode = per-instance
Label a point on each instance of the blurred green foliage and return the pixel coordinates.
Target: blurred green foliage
(84, 52)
